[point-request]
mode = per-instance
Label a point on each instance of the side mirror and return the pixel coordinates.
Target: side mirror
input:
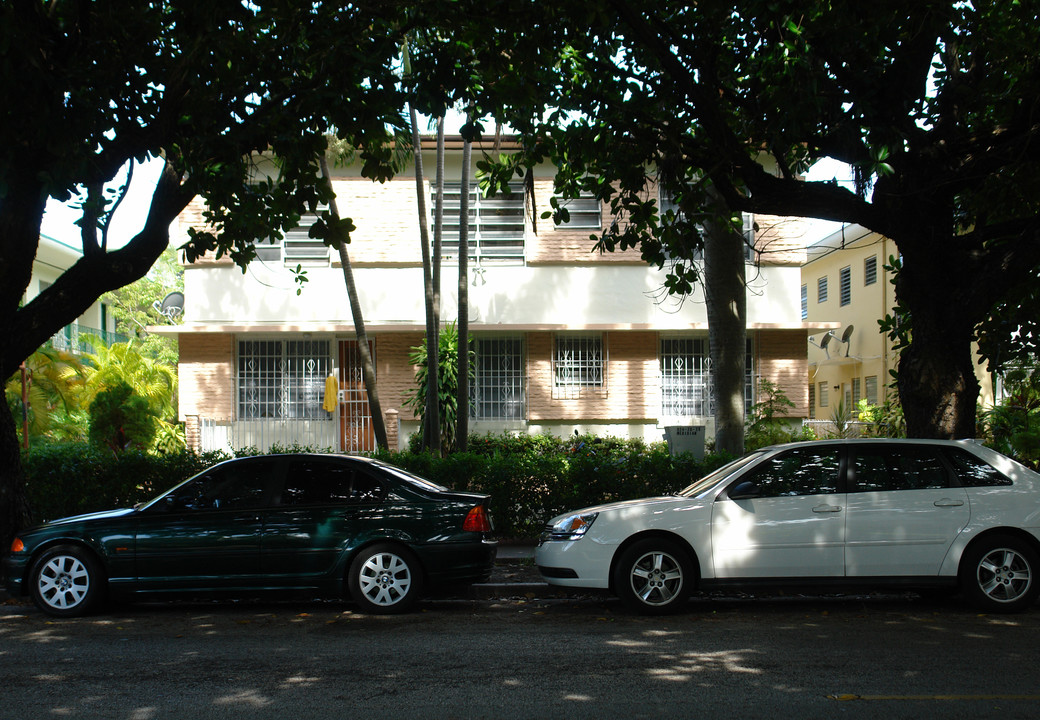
(743, 490)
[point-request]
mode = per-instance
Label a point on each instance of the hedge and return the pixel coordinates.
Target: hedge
(64, 479)
(529, 478)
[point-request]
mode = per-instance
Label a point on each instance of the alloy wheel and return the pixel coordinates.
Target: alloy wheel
(1004, 575)
(63, 582)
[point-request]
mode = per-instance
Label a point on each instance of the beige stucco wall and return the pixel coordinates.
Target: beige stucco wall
(868, 353)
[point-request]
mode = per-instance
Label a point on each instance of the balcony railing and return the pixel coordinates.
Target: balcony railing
(72, 338)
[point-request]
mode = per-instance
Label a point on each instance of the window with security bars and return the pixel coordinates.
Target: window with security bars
(805, 302)
(498, 388)
(577, 365)
(296, 247)
(282, 379)
(496, 224)
(687, 382)
(821, 289)
(667, 204)
(857, 391)
(845, 285)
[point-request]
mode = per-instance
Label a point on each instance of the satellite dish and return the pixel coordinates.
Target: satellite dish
(847, 335)
(826, 340)
(172, 306)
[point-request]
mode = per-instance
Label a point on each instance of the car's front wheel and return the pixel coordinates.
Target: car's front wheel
(385, 578)
(654, 576)
(999, 574)
(66, 581)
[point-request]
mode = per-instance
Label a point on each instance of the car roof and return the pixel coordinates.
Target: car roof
(888, 441)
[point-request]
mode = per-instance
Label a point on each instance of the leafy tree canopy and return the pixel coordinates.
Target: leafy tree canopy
(208, 87)
(933, 103)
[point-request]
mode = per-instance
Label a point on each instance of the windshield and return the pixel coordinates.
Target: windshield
(710, 480)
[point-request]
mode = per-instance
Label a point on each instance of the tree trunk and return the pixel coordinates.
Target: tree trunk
(462, 429)
(25, 329)
(937, 385)
(945, 287)
(725, 298)
(14, 506)
(935, 376)
(438, 225)
(431, 419)
(368, 369)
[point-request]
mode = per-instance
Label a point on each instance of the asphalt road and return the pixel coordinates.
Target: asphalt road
(518, 657)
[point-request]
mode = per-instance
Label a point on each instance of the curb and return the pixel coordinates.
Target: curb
(505, 591)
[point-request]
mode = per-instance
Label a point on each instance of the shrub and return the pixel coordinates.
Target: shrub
(529, 478)
(119, 419)
(64, 479)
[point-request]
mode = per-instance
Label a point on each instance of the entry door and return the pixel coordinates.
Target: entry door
(355, 416)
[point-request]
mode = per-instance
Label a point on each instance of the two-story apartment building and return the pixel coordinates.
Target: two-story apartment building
(565, 338)
(844, 281)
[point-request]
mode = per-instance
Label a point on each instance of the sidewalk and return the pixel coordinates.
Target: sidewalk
(515, 553)
(514, 576)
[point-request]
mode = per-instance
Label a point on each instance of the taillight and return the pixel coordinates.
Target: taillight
(477, 520)
(17, 546)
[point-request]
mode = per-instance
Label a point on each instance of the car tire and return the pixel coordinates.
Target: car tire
(67, 581)
(654, 576)
(385, 578)
(999, 574)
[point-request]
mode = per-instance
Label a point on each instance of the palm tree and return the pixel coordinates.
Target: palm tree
(53, 379)
(368, 369)
(156, 382)
(462, 424)
(431, 436)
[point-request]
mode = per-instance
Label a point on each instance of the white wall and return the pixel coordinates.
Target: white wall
(605, 295)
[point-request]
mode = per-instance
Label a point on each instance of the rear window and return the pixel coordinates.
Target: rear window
(973, 471)
(885, 468)
(314, 481)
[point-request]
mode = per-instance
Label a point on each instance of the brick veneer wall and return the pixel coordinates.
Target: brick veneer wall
(387, 220)
(396, 374)
(782, 360)
(206, 370)
(631, 388)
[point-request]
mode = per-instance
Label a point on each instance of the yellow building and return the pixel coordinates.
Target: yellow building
(844, 280)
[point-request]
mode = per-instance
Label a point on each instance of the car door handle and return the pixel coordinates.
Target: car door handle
(826, 508)
(948, 502)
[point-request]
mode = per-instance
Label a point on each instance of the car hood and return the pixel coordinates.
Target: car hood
(89, 517)
(640, 504)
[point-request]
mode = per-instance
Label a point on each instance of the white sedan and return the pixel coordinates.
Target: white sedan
(833, 513)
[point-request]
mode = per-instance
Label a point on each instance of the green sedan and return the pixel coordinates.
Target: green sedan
(320, 524)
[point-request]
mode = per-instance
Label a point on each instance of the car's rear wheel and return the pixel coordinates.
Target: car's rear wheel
(66, 581)
(999, 574)
(654, 576)
(385, 578)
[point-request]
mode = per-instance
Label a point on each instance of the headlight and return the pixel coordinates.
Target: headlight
(572, 527)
